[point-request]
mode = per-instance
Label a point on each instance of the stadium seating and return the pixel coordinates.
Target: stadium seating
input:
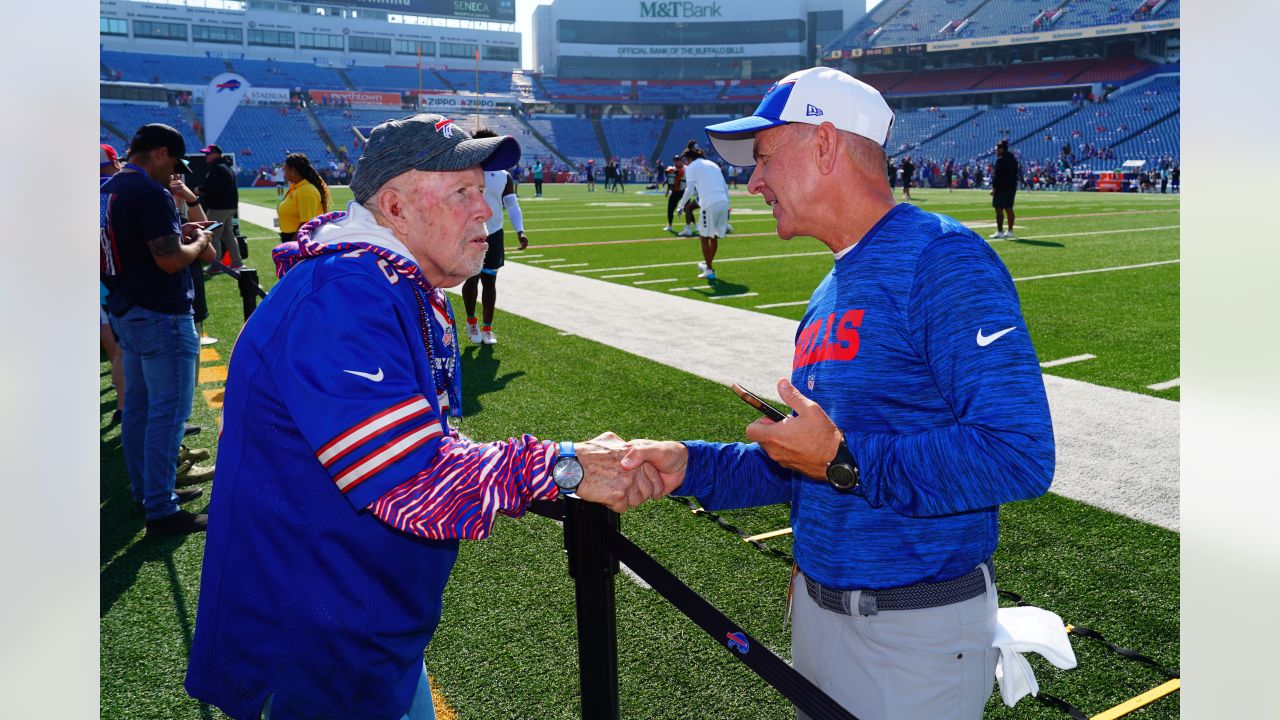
(338, 122)
(943, 80)
(272, 73)
(1113, 70)
(678, 92)
(394, 79)
(146, 67)
(572, 134)
(586, 91)
(1039, 74)
(1156, 145)
(264, 135)
(128, 117)
(976, 138)
(682, 131)
(911, 128)
(1100, 128)
(629, 137)
(464, 81)
(530, 146)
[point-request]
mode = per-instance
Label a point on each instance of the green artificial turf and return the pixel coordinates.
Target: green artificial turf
(506, 646)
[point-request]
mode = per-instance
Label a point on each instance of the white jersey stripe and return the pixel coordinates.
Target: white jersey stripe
(357, 474)
(378, 423)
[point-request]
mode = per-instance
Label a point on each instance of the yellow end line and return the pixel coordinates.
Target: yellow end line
(443, 711)
(1142, 700)
(766, 536)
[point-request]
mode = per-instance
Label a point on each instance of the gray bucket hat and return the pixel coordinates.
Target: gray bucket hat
(426, 142)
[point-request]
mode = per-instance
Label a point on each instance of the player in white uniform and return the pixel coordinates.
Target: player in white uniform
(705, 179)
(499, 191)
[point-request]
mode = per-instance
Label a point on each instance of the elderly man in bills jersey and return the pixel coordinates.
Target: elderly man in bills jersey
(342, 489)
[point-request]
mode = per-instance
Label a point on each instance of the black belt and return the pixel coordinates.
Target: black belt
(908, 597)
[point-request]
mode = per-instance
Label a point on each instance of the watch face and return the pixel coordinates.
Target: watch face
(842, 477)
(567, 473)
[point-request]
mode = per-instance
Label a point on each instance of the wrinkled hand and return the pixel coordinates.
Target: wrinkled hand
(606, 481)
(804, 442)
(664, 460)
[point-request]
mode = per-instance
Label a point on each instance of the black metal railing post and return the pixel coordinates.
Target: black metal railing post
(593, 568)
(247, 278)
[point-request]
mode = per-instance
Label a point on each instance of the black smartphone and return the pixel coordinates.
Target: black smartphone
(754, 401)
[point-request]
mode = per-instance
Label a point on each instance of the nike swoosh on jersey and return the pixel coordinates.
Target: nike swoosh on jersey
(377, 377)
(983, 340)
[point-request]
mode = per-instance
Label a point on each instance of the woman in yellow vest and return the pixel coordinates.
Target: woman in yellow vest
(308, 195)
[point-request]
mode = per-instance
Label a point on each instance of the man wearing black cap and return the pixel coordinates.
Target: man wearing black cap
(220, 199)
(145, 253)
(342, 489)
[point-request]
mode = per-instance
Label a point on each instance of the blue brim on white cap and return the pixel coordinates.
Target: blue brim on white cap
(734, 140)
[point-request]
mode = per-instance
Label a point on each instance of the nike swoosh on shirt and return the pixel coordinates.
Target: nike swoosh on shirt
(983, 340)
(376, 377)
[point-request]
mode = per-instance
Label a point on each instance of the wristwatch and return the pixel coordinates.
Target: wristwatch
(842, 471)
(568, 471)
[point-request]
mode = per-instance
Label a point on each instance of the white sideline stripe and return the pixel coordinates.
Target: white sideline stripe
(1067, 360)
(648, 282)
(547, 260)
(610, 277)
(526, 257)
(720, 260)
(553, 267)
(1092, 232)
(681, 289)
(782, 304)
(1166, 385)
(1098, 270)
(726, 297)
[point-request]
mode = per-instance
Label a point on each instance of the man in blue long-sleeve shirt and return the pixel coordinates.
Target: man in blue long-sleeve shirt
(918, 409)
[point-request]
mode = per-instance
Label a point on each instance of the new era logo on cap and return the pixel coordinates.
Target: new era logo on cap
(814, 96)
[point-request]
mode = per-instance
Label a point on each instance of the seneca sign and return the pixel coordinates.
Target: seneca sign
(679, 10)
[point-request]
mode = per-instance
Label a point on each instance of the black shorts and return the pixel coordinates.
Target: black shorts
(1003, 199)
(496, 256)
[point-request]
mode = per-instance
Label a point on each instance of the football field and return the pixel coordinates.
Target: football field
(1098, 279)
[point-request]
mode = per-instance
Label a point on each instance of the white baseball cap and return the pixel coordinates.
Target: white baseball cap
(812, 96)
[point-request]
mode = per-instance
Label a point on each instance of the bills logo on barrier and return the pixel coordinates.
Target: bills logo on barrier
(738, 641)
(221, 98)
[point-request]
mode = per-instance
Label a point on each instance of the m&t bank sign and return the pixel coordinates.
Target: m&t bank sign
(679, 10)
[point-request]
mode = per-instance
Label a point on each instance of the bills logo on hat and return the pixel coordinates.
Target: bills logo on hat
(445, 126)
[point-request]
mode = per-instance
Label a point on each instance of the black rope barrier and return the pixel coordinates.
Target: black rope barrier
(595, 546)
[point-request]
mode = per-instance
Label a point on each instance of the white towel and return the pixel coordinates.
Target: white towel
(1028, 629)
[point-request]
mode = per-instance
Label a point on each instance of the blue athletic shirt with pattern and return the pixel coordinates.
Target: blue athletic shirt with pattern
(916, 347)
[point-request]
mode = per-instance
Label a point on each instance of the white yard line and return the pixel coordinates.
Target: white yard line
(556, 267)
(718, 260)
(1092, 232)
(546, 260)
(651, 282)
(1067, 360)
(782, 304)
(620, 275)
(736, 295)
(1176, 382)
(1098, 270)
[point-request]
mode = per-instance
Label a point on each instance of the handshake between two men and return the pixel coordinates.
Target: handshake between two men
(622, 474)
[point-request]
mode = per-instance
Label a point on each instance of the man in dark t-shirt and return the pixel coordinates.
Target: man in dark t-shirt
(145, 256)
(1004, 185)
(908, 172)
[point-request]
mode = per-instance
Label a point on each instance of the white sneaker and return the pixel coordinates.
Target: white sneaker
(997, 235)
(702, 269)
(668, 229)
(728, 228)
(473, 333)
(488, 338)
(686, 232)
(1008, 235)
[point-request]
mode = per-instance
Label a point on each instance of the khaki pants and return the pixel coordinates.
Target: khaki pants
(934, 663)
(224, 238)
